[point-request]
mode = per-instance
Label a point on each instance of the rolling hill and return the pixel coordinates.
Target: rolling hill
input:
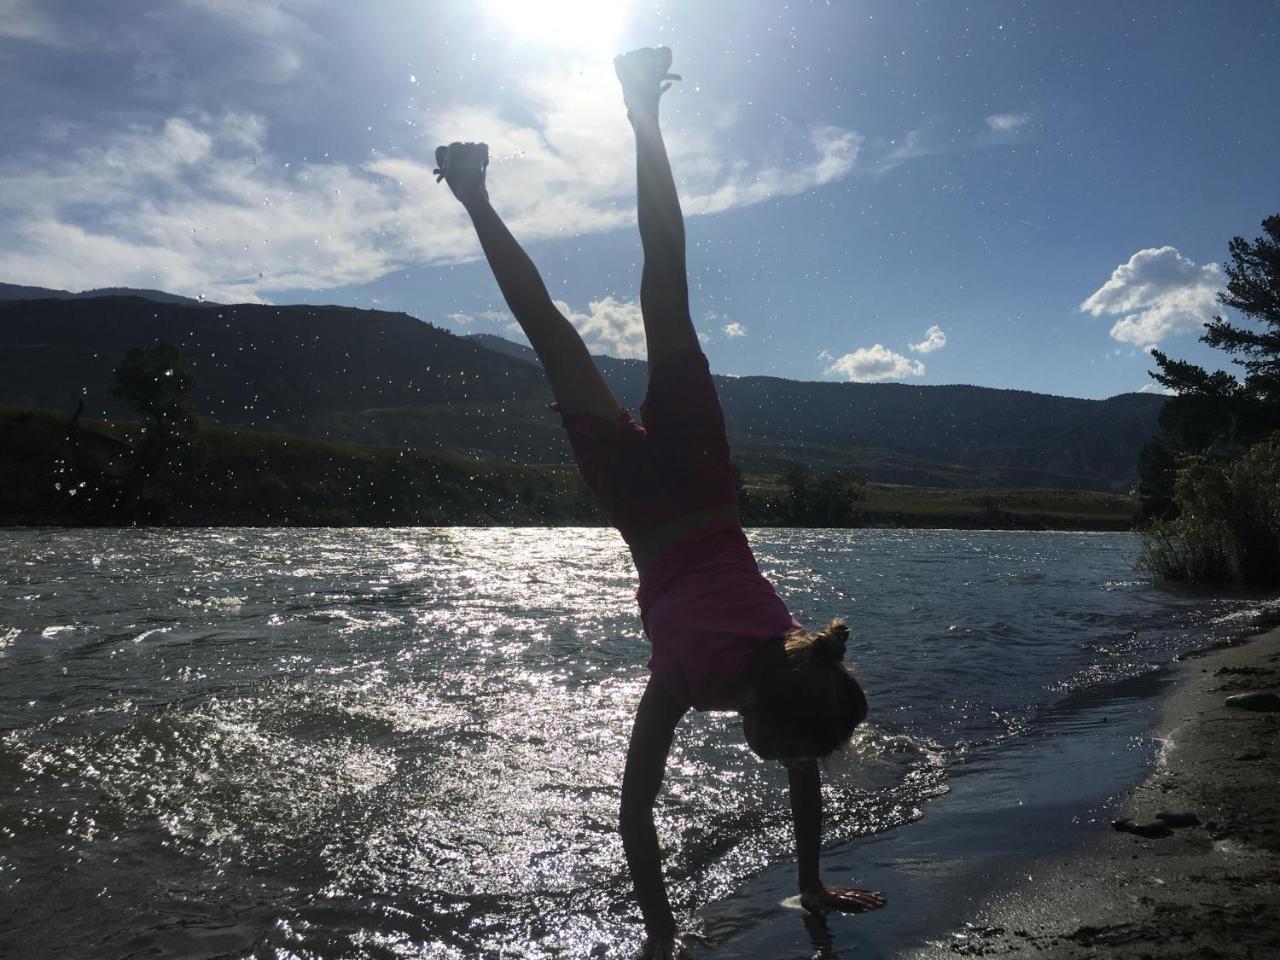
(367, 376)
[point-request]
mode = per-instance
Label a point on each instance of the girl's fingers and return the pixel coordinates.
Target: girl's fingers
(856, 899)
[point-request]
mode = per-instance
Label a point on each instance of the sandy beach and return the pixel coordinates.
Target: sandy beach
(1207, 889)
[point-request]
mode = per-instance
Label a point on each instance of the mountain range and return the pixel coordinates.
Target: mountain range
(369, 376)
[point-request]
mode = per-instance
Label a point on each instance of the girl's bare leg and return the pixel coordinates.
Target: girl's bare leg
(575, 380)
(664, 283)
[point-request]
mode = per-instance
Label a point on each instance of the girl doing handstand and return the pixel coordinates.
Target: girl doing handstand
(722, 638)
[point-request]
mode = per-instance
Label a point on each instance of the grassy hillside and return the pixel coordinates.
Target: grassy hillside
(248, 477)
(893, 505)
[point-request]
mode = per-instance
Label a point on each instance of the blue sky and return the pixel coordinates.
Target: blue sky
(1008, 194)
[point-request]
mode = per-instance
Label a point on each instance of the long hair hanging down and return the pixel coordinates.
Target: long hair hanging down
(804, 688)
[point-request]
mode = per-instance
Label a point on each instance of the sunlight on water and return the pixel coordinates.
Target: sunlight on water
(410, 742)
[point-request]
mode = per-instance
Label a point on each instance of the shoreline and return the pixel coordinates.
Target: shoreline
(1019, 857)
(1206, 889)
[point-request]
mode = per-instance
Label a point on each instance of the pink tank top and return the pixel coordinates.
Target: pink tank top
(706, 608)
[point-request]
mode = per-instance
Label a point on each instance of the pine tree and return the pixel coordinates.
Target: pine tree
(1214, 412)
(1253, 288)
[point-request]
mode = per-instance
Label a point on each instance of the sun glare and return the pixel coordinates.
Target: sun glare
(574, 24)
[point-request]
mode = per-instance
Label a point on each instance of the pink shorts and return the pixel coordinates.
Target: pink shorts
(674, 462)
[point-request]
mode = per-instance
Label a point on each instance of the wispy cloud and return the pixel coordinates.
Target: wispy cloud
(23, 20)
(1007, 122)
(732, 330)
(937, 138)
(934, 339)
(1157, 294)
(871, 365)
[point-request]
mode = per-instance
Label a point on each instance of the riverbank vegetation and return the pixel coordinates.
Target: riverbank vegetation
(1209, 484)
(1227, 528)
(63, 472)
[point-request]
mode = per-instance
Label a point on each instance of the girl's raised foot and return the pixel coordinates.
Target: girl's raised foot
(463, 166)
(645, 75)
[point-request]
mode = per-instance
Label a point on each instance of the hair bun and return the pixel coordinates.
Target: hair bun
(833, 640)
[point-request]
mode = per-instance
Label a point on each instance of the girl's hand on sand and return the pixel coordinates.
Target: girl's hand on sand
(846, 899)
(665, 948)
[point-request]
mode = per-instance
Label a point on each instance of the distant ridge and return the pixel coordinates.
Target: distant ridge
(13, 291)
(369, 376)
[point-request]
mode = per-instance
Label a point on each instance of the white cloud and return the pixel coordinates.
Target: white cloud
(1159, 293)
(1157, 388)
(200, 204)
(934, 339)
(610, 326)
(732, 330)
(462, 319)
(872, 365)
(1007, 122)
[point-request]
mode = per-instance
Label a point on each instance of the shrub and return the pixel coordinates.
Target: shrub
(1228, 524)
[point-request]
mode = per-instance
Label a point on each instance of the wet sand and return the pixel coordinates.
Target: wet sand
(1210, 889)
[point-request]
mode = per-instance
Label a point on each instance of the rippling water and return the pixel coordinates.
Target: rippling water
(386, 743)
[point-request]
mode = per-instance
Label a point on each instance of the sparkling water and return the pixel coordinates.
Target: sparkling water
(409, 742)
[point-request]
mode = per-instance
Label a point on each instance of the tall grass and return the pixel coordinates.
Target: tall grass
(1228, 525)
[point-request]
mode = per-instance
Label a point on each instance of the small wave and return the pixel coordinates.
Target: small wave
(1262, 613)
(215, 602)
(351, 622)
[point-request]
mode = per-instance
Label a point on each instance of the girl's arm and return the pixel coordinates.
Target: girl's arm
(651, 737)
(806, 810)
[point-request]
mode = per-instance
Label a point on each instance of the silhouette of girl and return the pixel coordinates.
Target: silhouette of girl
(722, 638)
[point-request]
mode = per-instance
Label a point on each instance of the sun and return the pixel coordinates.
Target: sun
(571, 24)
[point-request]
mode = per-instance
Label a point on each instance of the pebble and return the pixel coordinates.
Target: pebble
(1266, 702)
